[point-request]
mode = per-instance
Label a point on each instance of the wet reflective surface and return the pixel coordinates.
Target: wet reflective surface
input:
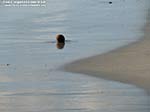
(61, 91)
(32, 81)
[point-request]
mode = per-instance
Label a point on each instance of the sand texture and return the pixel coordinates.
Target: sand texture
(129, 64)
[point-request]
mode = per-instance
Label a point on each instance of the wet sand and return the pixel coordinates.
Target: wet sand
(33, 82)
(129, 64)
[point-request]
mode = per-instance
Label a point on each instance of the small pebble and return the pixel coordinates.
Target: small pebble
(110, 2)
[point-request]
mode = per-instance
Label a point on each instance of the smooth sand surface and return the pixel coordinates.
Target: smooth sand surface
(129, 64)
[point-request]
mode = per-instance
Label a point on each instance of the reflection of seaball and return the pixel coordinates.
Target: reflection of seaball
(60, 45)
(60, 41)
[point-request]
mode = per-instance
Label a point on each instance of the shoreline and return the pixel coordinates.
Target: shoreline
(128, 64)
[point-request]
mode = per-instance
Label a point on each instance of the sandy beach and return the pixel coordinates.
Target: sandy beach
(129, 64)
(31, 77)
